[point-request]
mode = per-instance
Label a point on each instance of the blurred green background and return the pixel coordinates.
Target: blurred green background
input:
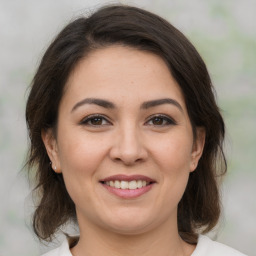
(224, 32)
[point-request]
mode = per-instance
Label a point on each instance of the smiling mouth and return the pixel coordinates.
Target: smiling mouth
(122, 184)
(127, 182)
(128, 186)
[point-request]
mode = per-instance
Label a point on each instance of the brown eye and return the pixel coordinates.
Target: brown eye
(95, 120)
(161, 120)
(157, 121)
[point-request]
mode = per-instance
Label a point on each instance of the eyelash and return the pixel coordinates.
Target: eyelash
(166, 119)
(88, 119)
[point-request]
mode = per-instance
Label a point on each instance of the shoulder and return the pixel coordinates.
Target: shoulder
(208, 247)
(63, 250)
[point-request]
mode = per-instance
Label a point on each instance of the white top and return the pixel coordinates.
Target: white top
(205, 247)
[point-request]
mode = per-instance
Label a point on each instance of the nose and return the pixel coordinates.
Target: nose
(128, 147)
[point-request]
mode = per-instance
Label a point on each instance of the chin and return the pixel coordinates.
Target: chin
(130, 222)
(129, 228)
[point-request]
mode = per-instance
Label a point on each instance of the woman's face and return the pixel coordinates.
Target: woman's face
(124, 141)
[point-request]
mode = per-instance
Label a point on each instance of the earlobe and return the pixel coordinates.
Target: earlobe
(198, 147)
(50, 144)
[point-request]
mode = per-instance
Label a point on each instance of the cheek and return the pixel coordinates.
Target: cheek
(173, 158)
(80, 158)
(175, 171)
(78, 151)
(174, 153)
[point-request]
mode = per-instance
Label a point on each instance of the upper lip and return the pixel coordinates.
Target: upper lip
(127, 178)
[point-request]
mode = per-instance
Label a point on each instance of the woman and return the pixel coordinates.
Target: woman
(126, 139)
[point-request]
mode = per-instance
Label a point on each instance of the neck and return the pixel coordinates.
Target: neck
(164, 240)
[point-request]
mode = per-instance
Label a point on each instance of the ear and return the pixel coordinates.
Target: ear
(198, 147)
(50, 144)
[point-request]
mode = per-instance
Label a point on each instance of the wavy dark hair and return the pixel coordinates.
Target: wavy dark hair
(199, 208)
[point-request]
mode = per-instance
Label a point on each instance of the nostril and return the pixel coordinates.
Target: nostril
(117, 159)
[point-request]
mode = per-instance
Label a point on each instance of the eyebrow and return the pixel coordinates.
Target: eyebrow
(99, 102)
(110, 105)
(154, 103)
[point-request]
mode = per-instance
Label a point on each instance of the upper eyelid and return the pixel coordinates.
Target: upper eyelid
(162, 116)
(87, 118)
(93, 116)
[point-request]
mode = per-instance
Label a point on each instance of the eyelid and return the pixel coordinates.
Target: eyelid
(90, 117)
(167, 118)
(85, 120)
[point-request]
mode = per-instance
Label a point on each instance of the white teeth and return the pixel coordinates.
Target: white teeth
(124, 184)
(117, 184)
(134, 184)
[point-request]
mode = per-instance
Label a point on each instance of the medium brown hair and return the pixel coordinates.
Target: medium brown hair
(199, 208)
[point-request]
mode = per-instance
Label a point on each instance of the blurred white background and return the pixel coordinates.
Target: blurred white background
(224, 32)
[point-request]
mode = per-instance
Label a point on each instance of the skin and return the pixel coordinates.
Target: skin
(126, 139)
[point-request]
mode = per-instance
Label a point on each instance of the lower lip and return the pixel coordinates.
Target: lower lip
(128, 193)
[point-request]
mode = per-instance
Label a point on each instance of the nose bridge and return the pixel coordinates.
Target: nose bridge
(129, 139)
(128, 146)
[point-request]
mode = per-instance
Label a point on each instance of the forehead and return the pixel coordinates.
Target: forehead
(119, 72)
